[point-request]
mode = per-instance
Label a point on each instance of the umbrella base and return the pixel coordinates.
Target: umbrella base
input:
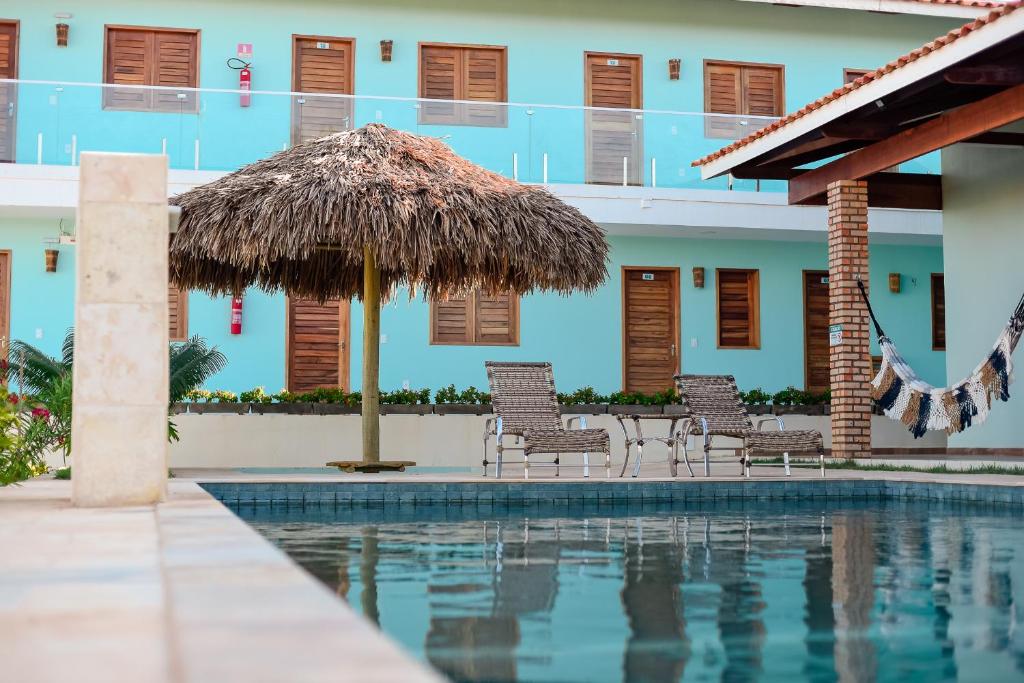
(371, 467)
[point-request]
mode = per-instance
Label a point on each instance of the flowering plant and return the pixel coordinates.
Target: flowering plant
(25, 436)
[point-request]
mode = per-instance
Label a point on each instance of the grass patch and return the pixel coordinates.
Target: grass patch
(884, 467)
(63, 473)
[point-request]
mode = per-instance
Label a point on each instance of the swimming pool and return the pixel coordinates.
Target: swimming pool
(735, 590)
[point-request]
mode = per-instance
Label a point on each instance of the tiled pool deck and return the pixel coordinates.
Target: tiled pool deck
(186, 591)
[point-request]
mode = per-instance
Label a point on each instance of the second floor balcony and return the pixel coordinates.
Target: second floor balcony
(46, 122)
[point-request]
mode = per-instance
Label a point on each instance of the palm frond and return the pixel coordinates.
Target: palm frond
(67, 349)
(32, 370)
(192, 363)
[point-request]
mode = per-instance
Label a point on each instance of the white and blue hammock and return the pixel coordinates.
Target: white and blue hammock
(905, 397)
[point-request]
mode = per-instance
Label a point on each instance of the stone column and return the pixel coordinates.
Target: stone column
(119, 424)
(850, 359)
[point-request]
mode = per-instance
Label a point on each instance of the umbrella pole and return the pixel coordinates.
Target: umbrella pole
(371, 358)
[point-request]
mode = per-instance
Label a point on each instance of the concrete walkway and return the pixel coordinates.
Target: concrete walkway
(184, 591)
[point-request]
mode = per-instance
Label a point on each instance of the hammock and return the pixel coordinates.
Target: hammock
(906, 398)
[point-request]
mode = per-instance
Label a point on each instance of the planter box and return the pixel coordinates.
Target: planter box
(799, 410)
(584, 409)
(634, 410)
(219, 408)
(336, 409)
(179, 408)
(283, 408)
(461, 409)
(675, 409)
(758, 408)
(406, 409)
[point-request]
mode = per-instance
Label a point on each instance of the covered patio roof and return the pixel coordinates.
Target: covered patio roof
(960, 87)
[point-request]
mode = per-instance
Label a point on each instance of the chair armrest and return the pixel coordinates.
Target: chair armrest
(581, 420)
(774, 418)
(692, 421)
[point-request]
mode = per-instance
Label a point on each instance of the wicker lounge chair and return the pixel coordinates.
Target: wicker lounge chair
(715, 409)
(526, 408)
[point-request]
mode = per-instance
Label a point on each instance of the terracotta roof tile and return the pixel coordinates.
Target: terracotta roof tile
(980, 4)
(1002, 10)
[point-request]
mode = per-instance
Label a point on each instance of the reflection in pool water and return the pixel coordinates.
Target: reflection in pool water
(845, 591)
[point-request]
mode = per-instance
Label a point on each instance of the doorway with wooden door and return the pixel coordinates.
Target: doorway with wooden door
(322, 66)
(816, 303)
(650, 328)
(614, 139)
(317, 344)
(8, 91)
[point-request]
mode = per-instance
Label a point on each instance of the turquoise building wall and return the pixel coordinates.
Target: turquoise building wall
(546, 42)
(581, 335)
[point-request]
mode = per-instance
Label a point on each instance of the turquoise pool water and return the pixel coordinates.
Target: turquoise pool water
(729, 591)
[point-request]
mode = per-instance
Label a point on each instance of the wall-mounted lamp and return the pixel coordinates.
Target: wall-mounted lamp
(385, 50)
(51, 260)
(673, 69)
(894, 283)
(62, 28)
(698, 277)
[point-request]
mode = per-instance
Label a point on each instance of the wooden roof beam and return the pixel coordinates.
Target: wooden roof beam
(949, 128)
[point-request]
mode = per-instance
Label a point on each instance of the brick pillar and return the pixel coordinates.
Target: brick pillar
(850, 361)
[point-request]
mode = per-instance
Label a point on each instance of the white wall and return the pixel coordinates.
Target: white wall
(983, 243)
(219, 440)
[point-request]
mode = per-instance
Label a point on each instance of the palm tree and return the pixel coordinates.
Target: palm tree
(48, 379)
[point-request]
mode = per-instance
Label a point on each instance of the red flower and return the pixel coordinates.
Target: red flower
(41, 413)
(13, 398)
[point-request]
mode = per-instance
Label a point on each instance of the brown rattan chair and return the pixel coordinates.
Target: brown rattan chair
(526, 408)
(716, 409)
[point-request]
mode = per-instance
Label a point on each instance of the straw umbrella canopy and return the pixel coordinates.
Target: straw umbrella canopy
(363, 212)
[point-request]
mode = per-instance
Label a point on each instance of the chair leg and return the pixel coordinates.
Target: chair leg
(821, 461)
(746, 465)
(526, 465)
(586, 465)
(639, 459)
(557, 468)
(686, 455)
(608, 464)
(497, 461)
(707, 457)
(625, 461)
(785, 463)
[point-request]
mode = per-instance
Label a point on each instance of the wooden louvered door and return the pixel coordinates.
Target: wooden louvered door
(5, 303)
(650, 320)
(740, 90)
(317, 344)
(816, 303)
(8, 91)
(614, 139)
(321, 65)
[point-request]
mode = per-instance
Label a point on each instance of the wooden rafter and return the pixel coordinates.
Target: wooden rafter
(949, 128)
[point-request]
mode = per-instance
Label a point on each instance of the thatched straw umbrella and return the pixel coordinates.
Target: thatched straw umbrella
(363, 212)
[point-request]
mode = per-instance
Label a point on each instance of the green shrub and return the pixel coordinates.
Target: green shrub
(405, 397)
(756, 396)
(257, 395)
(25, 436)
(470, 395)
(582, 396)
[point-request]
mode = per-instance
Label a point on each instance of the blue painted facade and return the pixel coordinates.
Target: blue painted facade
(581, 335)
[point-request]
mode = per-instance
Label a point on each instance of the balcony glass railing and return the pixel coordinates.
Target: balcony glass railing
(47, 122)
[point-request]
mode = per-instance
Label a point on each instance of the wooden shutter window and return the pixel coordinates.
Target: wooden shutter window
(177, 304)
(151, 57)
(938, 312)
(741, 89)
(738, 309)
(463, 72)
(8, 91)
(478, 319)
(850, 75)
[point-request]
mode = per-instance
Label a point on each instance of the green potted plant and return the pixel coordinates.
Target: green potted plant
(757, 401)
(633, 403)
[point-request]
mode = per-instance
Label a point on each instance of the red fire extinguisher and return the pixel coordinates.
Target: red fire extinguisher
(236, 315)
(244, 80)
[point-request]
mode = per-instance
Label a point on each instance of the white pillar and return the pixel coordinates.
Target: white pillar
(119, 425)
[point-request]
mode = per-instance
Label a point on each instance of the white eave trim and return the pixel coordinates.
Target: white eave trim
(888, 6)
(964, 47)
